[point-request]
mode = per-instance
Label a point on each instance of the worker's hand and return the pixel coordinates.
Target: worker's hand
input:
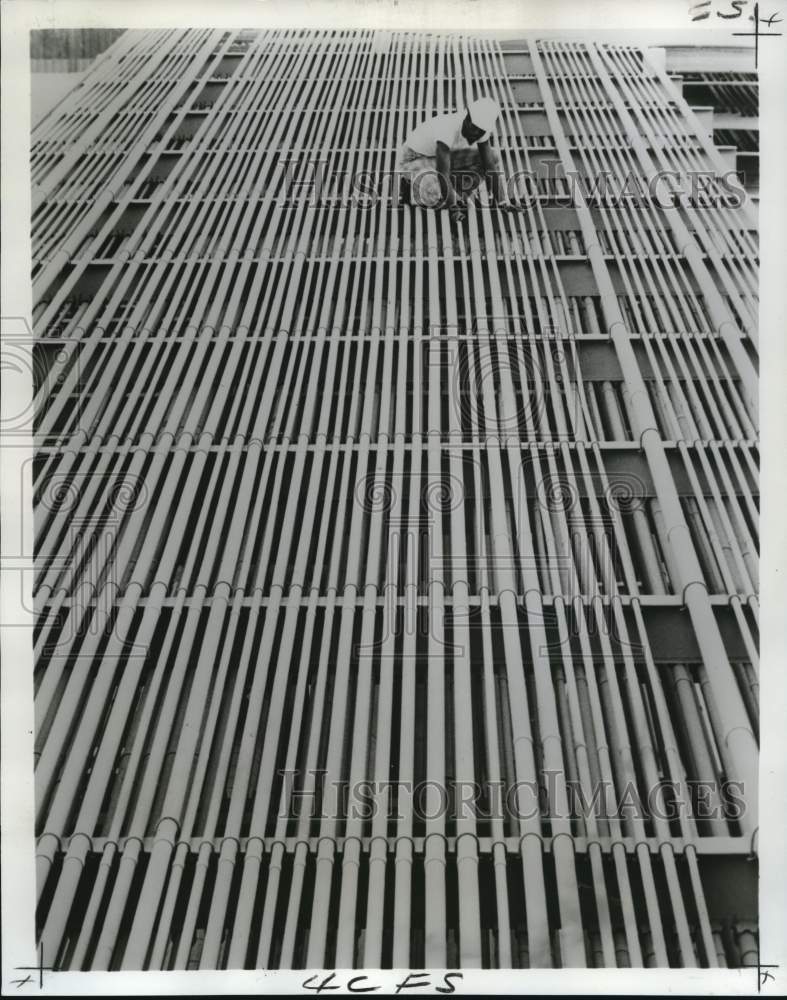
(511, 206)
(457, 213)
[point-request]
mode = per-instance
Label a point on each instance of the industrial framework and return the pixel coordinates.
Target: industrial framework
(339, 509)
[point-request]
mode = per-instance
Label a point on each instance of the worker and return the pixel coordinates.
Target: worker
(445, 159)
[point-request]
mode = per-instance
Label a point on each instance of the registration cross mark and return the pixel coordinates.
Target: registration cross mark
(764, 976)
(757, 34)
(40, 969)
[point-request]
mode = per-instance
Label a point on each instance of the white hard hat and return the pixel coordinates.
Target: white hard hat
(484, 113)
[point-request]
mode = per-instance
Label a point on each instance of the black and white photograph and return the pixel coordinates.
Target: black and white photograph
(382, 599)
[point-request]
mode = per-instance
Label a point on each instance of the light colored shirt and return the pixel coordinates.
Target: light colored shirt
(442, 128)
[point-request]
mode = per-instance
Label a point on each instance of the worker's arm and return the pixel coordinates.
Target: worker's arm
(494, 175)
(443, 157)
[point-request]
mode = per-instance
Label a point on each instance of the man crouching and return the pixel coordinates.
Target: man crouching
(446, 157)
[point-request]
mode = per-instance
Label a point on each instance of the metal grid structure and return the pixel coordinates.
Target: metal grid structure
(329, 492)
(54, 50)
